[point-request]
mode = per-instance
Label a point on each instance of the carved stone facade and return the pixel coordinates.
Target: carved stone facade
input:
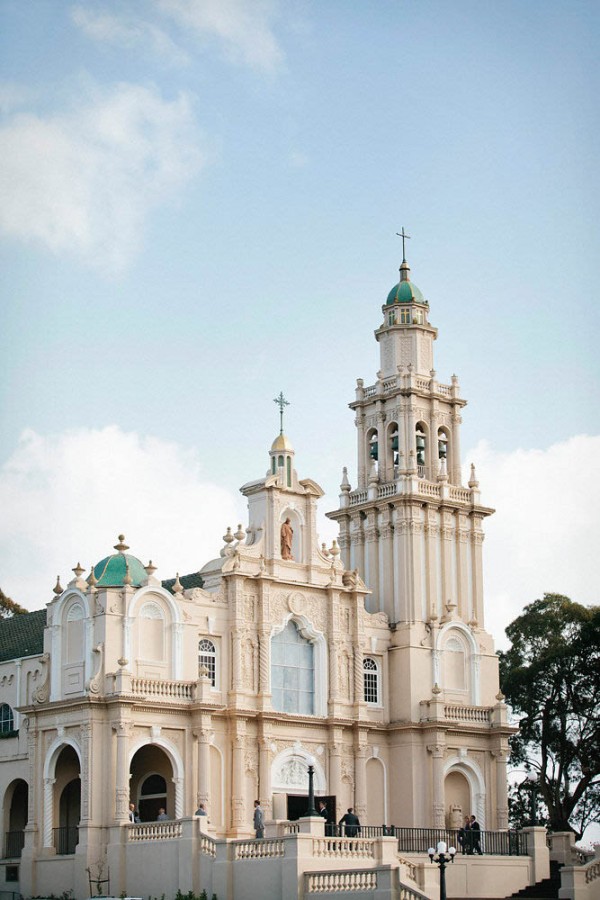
(371, 665)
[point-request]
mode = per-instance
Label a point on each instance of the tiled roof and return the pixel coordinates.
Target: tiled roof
(22, 635)
(188, 581)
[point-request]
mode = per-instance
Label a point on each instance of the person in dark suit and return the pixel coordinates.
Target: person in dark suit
(351, 823)
(476, 836)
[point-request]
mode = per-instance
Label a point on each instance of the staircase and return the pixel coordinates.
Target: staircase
(547, 889)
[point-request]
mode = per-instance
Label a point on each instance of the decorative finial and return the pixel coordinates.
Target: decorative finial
(91, 579)
(228, 537)
(121, 546)
(57, 587)
(78, 569)
(473, 483)
(281, 403)
(240, 534)
(405, 237)
(324, 549)
(500, 697)
(345, 485)
(150, 569)
(177, 586)
(334, 550)
(436, 689)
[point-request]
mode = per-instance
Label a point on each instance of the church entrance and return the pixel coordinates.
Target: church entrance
(297, 804)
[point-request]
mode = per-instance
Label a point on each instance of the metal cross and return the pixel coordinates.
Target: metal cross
(281, 403)
(404, 238)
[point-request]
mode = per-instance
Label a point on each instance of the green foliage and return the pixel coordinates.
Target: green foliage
(551, 679)
(9, 607)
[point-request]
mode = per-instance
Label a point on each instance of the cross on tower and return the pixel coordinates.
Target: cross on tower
(281, 403)
(405, 237)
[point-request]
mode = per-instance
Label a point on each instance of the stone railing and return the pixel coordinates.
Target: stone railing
(477, 715)
(156, 831)
(592, 871)
(339, 882)
(350, 847)
(208, 846)
(183, 691)
(263, 849)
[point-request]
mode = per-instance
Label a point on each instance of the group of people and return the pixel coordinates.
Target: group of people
(349, 821)
(134, 816)
(469, 836)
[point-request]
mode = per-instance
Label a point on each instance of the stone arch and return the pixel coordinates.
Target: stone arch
(289, 772)
(469, 769)
(472, 657)
(177, 767)
(52, 789)
(173, 628)
(216, 787)
(74, 680)
(16, 814)
(317, 639)
(377, 791)
(392, 448)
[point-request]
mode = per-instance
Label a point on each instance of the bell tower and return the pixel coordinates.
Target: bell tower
(414, 533)
(410, 526)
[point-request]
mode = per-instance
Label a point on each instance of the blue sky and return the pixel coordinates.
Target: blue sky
(200, 207)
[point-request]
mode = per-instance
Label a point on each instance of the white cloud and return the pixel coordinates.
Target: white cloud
(86, 179)
(13, 96)
(542, 537)
(245, 27)
(64, 499)
(129, 31)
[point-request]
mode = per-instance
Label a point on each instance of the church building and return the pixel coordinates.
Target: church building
(367, 660)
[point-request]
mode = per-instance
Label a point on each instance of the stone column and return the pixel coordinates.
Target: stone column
(204, 736)
(264, 774)
(361, 468)
(122, 730)
(334, 785)
(360, 775)
(236, 661)
(477, 563)
(86, 769)
(237, 777)
(455, 449)
(437, 781)
(501, 757)
(372, 560)
(48, 811)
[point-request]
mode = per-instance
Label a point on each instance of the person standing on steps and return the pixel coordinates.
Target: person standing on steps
(259, 820)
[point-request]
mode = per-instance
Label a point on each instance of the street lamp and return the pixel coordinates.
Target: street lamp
(311, 811)
(441, 857)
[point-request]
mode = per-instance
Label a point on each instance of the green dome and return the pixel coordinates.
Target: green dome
(405, 292)
(111, 571)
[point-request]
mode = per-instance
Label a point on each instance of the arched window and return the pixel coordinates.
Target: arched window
(405, 317)
(442, 444)
(152, 632)
(421, 447)
(207, 658)
(394, 444)
(292, 672)
(289, 470)
(455, 673)
(371, 681)
(373, 446)
(7, 719)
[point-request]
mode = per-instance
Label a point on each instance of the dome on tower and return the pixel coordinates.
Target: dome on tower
(281, 443)
(112, 570)
(405, 292)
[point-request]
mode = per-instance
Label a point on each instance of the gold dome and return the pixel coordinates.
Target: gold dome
(281, 443)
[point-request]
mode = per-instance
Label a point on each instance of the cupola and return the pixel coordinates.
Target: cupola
(120, 568)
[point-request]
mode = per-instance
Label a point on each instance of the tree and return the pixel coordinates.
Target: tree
(551, 679)
(9, 607)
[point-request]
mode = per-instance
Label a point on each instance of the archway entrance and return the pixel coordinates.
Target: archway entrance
(152, 785)
(458, 799)
(68, 791)
(16, 801)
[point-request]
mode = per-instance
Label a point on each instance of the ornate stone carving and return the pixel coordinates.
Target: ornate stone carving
(42, 691)
(94, 684)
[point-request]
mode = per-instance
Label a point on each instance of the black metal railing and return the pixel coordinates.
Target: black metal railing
(494, 843)
(66, 839)
(419, 840)
(14, 841)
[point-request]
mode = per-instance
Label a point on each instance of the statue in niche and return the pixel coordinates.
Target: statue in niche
(287, 534)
